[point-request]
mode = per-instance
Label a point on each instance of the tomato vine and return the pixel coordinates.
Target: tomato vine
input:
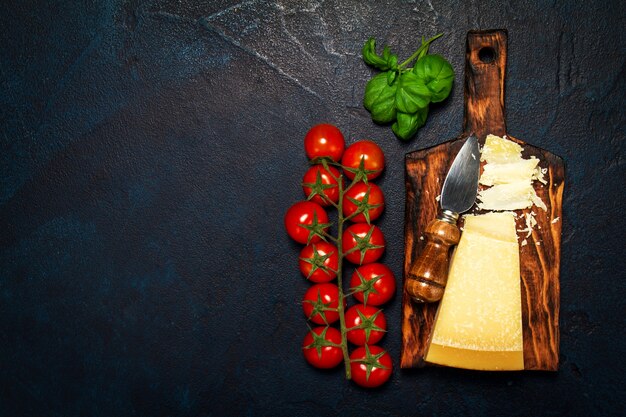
(361, 243)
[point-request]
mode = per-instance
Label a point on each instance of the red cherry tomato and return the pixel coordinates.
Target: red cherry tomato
(326, 184)
(372, 155)
(324, 140)
(307, 213)
(318, 348)
(374, 284)
(367, 324)
(373, 359)
(319, 261)
(373, 206)
(363, 243)
(318, 299)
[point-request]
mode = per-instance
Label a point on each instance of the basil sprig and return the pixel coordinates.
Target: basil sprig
(401, 95)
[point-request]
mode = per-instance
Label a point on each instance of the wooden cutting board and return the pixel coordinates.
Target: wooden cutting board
(485, 68)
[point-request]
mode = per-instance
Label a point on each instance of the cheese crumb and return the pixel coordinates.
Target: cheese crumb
(556, 219)
(538, 175)
(531, 222)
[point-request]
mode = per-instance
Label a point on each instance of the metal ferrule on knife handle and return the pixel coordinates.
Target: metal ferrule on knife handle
(449, 216)
(427, 277)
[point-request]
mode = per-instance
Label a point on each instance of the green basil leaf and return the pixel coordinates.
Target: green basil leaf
(385, 62)
(370, 56)
(386, 52)
(406, 125)
(380, 98)
(412, 93)
(422, 115)
(437, 74)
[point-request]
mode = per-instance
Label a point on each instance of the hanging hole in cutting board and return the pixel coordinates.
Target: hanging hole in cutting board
(487, 55)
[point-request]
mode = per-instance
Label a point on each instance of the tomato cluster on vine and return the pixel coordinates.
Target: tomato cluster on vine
(341, 178)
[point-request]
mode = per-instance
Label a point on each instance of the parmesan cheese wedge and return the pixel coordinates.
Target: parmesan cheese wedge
(479, 320)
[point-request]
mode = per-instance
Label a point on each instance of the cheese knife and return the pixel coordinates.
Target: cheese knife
(427, 276)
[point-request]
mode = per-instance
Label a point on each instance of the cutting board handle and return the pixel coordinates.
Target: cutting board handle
(485, 68)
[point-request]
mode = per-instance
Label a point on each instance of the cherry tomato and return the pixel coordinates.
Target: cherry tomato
(373, 205)
(363, 243)
(374, 284)
(318, 299)
(324, 140)
(318, 348)
(372, 155)
(319, 261)
(371, 366)
(306, 213)
(326, 184)
(366, 324)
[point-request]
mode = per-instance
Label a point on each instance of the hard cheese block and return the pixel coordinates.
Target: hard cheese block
(479, 321)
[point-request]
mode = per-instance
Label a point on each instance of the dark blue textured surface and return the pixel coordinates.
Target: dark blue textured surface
(149, 149)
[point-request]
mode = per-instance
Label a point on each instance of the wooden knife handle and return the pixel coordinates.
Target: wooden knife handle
(427, 276)
(485, 69)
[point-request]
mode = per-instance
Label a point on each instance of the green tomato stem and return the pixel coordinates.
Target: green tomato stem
(340, 307)
(331, 237)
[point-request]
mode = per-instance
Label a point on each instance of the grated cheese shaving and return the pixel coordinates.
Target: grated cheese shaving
(531, 222)
(509, 177)
(538, 175)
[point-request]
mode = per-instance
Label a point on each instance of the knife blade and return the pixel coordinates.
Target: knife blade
(461, 184)
(426, 278)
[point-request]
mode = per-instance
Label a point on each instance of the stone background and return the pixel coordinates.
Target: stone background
(149, 150)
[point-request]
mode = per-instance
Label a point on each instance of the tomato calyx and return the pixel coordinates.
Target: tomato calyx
(368, 324)
(315, 229)
(323, 160)
(363, 244)
(360, 173)
(326, 163)
(320, 341)
(319, 188)
(366, 286)
(363, 206)
(371, 361)
(319, 307)
(318, 262)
